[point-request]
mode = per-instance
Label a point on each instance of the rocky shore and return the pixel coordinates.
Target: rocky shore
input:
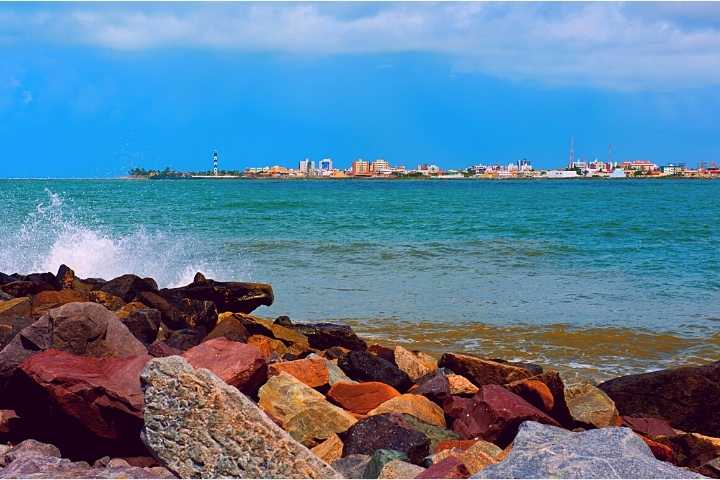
(121, 379)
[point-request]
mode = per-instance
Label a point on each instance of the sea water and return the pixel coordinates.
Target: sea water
(598, 277)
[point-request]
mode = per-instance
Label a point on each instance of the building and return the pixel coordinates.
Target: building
(380, 166)
(307, 166)
(325, 165)
(639, 166)
(360, 167)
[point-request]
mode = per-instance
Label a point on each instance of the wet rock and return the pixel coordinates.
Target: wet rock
(483, 372)
(107, 300)
(93, 404)
(534, 392)
(387, 431)
(434, 433)
(329, 450)
(400, 469)
(15, 315)
(237, 297)
(230, 328)
(460, 385)
(269, 347)
(318, 422)
(364, 366)
(415, 405)
(496, 414)
(450, 467)
(652, 427)
(687, 397)
(198, 426)
(237, 364)
(326, 335)
(283, 395)
(143, 323)
(591, 407)
(351, 466)
(313, 372)
(361, 397)
(542, 451)
(183, 313)
(127, 287)
(414, 363)
(65, 277)
(49, 299)
(479, 455)
(28, 285)
(379, 459)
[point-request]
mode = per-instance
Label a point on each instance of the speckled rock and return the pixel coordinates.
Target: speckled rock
(543, 451)
(199, 426)
(283, 396)
(54, 467)
(590, 406)
(378, 460)
(400, 469)
(416, 364)
(481, 371)
(351, 466)
(388, 431)
(108, 300)
(329, 450)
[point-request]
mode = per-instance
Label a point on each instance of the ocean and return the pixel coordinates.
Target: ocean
(597, 278)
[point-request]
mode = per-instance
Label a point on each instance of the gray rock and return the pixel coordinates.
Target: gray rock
(543, 451)
(39, 466)
(198, 426)
(30, 448)
(352, 466)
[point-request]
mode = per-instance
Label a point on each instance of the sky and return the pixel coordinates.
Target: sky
(92, 90)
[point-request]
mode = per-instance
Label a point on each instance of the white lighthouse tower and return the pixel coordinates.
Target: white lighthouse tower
(215, 163)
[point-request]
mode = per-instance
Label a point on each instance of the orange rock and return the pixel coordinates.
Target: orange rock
(460, 385)
(125, 310)
(312, 372)
(108, 300)
(534, 392)
(480, 455)
(269, 347)
(360, 398)
(416, 405)
(661, 451)
(329, 450)
(49, 299)
(452, 443)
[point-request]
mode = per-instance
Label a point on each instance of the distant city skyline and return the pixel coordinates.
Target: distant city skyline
(92, 90)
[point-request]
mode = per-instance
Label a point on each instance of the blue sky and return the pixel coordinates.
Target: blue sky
(91, 90)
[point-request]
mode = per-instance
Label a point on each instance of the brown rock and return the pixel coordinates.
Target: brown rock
(534, 392)
(361, 397)
(49, 299)
(237, 364)
(692, 449)
(451, 467)
(416, 364)
(127, 287)
(454, 444)
(591, 407)
(108, 300)
(483, 372)
(329, 450)
(460, 385)
(651, 427)
(687, 397)
(283, 396)
(162, 349)
(313, 372)
(560, 411)
(415, 405)
(229, 327)
(238, 297)
(269, 347)
(15, 315)
(382, 352)
(318, 422)
(659, 450)
(480, 455)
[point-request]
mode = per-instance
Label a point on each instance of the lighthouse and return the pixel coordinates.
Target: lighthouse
(215, 163)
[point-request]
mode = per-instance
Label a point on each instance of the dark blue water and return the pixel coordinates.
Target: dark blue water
(617, 275)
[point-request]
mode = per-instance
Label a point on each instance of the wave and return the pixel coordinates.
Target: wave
(54, 234)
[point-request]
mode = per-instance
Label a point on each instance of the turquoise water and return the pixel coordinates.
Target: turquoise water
(605, 276)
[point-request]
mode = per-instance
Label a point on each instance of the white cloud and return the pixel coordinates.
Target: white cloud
(607, 45)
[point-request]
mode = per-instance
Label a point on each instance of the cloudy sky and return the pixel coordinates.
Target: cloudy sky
(94, 89)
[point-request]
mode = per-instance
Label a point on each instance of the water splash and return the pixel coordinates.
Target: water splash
(54, 233)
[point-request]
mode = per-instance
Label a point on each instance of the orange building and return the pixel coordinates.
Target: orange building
(360, 167)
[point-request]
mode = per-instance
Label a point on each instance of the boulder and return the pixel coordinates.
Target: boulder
(400, 469)
(481, 371)
(388, 431)
(479, 455)
(230, 328)
(11, 427)
(180, 313)
(183, 339)
(361, 397)
(379, 459)
(237, 364)
(93, 404)
(127, 287)
(460, 385)
(542, 451)
(434, 433)
(329, 450)
(555, 384)
(65, 277)
(162, 349)
(143, 323)
(534, 392)
(692, 450)
(415, 405)
(326, 335)
(238, 297)
(414, 363)
(318, 422)
(450, 467)
(198, 426)
(687, 397)
(454, 444)
(434, 386)
(53, 467)
(366, 367)
(49, 299)
(269, 347)
(313, 372)
(29, 448)
(652, 427)
(107, 300)
(590, 407)
(382, 351)
(28, 285)
(335, 373)
(495, 415)
(15, 315)
(351, 466)
(283, 395)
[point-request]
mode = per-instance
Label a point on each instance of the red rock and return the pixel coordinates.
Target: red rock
(455, 406)
(459, 444)
(237, 364)
(534, 392)
(481, 371)
(661, 452)
(162, 349)
(360, 398)
(652, 427)
(93, 404)
(496, 415)
(313, 372)
(450, 467)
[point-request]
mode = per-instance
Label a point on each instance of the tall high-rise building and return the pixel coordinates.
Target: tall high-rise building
(215, 158)
(306, 166)
(360, 167)
(378, 165)
(325, 165)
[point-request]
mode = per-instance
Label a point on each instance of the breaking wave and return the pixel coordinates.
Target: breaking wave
(54, 234)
